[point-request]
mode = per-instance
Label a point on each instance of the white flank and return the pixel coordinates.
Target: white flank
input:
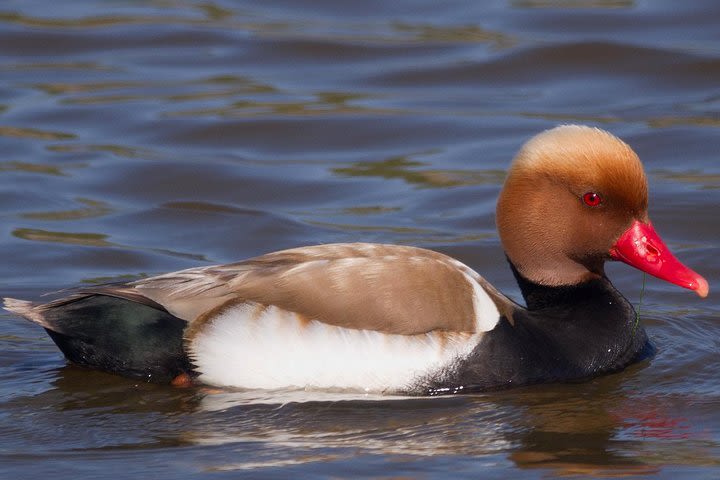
(248, 347)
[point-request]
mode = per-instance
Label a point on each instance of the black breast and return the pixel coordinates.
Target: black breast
(566, 334)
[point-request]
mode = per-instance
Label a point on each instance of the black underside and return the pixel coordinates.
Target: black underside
(120, 336)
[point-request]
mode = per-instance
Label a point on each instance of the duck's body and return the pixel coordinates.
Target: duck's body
(269, 323)
(398, 319)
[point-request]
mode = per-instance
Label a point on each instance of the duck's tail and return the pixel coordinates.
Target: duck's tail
(28, 310)
(113, 334)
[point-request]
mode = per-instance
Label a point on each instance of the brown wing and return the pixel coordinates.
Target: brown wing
(388, 288)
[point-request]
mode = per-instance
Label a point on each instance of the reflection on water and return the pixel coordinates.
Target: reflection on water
(31, 168)
(89, 239)
(701, 179)
(92, 208)
(573, 3)
(139, 137)
(405, 169)
(33, 133)
(462, 33)
(554, 428)
(118, 150)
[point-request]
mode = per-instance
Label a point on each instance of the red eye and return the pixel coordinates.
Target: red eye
(592, 199)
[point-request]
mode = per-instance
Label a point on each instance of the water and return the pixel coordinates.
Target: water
(139, 137)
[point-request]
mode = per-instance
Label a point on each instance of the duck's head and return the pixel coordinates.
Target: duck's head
(575, 197)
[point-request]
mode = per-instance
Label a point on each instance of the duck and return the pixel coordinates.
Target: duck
(393, 319)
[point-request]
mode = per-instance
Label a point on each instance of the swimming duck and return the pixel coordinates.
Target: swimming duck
(399, 319)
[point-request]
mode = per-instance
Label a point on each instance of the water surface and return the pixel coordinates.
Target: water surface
(138, 137)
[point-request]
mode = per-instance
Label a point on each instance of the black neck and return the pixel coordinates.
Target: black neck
(540, 297)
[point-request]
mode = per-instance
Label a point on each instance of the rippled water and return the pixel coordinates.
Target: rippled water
(141, 136)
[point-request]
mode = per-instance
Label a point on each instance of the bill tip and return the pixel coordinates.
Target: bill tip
(701, 288)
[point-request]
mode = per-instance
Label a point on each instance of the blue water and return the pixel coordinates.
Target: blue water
(138, 137)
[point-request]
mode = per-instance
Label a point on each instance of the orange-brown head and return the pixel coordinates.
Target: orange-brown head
(575, 197)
